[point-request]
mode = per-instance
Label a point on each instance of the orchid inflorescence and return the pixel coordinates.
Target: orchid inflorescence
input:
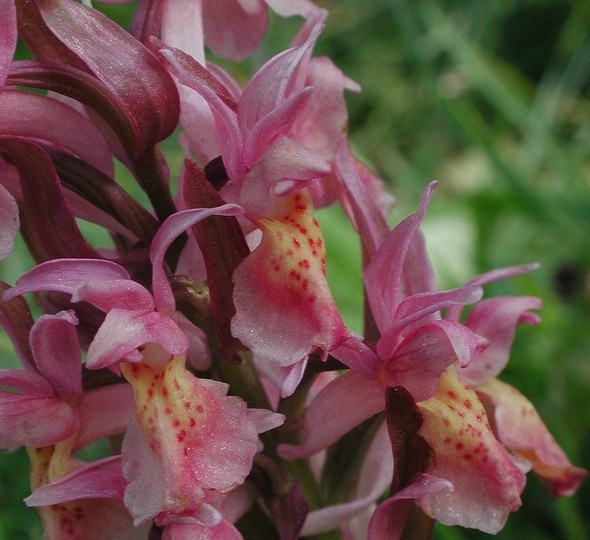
(204, 343)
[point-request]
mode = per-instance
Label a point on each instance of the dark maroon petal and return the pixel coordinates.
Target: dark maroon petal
(47, 221)
(16, 320)
(223, 245)
(63, 30)
(7, 37)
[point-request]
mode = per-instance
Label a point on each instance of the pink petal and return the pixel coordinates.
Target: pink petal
(487, 484)
(285, 275)
(272, 84)
(358, 356)
(383, 275)
(419, 306)
(341, 405)
(122, 332)
(520, 428)
(192, 531)
(389, 519)
(496, 320)
(9, 220)
(278, 121)
(35, 421)
(57, 354)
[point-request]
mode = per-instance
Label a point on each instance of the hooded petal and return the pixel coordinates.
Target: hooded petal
(487, 484)
(425, 353)
(56, 350)
(123, 332)
(520, 428)
(284, 308)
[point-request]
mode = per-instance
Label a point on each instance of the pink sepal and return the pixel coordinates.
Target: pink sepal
(233, 29)
(341, 405)
(264, 420)
(116, 293)
(374, 479)
(64, 275)
(496, 320)
(359, 202)
(102, 479)
(454, 312)
(520, 428)
(389, 519)
(116, 406)
(122, 332)
(9, 220)
(383, 275)
(173, 227)
(27, 382)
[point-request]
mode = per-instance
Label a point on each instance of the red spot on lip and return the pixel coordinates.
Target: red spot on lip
(181, 435)
(200, 409)
(296, 242)
(446, 422)
(467, 403)
(165, 391)
(304, 263)
(192, 422)
(452, 394)
(187, 404)
(447, 440)
(458, 446)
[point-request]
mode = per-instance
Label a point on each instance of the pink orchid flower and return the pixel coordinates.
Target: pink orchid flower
(417, 351)
(187, 437)
(48, 412)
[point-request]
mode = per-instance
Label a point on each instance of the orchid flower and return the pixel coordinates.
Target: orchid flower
(48, 412)
(172, 447)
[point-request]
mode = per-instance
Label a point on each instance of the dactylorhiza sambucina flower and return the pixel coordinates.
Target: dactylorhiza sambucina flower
(210, 310)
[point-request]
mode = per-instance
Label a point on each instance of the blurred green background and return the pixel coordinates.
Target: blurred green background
(491, 99)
